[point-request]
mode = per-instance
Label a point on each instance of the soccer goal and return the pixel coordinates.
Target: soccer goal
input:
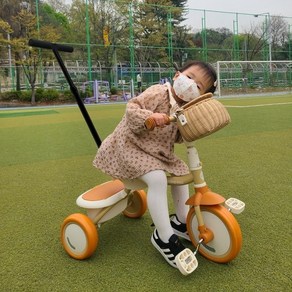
(252, 77)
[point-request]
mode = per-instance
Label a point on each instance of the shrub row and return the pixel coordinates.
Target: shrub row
(42, 95)
(46, 95)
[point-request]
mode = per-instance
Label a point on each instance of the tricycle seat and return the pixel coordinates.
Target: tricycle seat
(103, 195)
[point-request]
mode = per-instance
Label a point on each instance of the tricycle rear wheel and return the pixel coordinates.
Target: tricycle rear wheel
(79, 236)
(137, 204)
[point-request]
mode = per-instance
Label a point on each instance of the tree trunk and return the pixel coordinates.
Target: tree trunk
(33, 92)
(17, 71)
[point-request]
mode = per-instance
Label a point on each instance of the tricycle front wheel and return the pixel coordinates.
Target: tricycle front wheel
(227, 240)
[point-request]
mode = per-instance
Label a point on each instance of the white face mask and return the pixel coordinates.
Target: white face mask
(185, 88)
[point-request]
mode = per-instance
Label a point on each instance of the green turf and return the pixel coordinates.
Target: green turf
(26, 113)
(46, 162)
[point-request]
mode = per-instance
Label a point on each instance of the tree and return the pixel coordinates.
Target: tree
(255, 41)
(159, 34)
(5, 48)
(179, 15)
(216, 38)
(279, 35)
(25, 27)
(107, 22)
(181, 33)
(150, 31)
(59, 6)
(184, 45)
(31, 59)
(58, 20)
(8, 10)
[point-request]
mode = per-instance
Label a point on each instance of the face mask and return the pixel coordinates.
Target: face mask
(185, 88)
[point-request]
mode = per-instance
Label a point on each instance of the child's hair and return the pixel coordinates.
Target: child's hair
(209, 70)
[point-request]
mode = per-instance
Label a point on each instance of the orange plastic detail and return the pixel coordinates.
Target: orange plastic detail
(198, 198)
(191, 200)
(204, 196)
(211, 198)
(103, 191)
(203, 190)
(205, 234)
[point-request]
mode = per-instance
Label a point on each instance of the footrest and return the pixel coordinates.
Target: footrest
(186, 261)
(234, 205)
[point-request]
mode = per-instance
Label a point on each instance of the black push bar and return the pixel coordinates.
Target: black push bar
(50, 46)
(64, 48)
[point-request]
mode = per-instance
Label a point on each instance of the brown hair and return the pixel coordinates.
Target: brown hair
(209, 70)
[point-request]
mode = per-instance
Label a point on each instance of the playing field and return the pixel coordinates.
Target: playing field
(46, 162)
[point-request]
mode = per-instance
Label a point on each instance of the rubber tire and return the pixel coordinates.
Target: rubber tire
(83, 232)
(137, 206)
(219, 250)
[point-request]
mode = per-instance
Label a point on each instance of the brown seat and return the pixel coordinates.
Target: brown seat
(103, 191)
(101, 196)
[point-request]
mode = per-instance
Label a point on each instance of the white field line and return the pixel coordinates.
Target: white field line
(257, 105)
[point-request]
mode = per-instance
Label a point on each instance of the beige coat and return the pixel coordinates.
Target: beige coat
(131, 150)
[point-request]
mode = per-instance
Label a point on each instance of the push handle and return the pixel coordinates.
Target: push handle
(56, 48)
(150, 122)
(49, 45)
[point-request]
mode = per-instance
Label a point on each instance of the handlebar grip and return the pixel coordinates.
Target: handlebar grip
(150, 123)
(49, 45)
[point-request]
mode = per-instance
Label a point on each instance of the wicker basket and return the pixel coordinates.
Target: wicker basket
(201, 117)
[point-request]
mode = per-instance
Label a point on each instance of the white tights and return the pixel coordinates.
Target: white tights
(157, 202)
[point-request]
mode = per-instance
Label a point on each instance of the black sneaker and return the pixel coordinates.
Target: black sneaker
(169, 250)
(180, 229)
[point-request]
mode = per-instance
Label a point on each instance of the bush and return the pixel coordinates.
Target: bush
(25, 96)
(39, 92)
(67, 95)
(49, 95)
(42, 95)
(10, 95)
(114, 90)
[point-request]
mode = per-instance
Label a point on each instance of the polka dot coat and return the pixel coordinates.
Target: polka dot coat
(131, 150)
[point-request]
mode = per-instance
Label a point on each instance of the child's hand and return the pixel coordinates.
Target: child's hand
(160, 119)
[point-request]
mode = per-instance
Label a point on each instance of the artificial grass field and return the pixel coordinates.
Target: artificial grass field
(46, 163)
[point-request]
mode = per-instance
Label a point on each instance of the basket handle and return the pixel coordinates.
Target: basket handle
(198, 99)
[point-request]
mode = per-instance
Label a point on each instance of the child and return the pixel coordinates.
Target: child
(132, 151)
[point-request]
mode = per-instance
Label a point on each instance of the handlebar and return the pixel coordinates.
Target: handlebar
(49, 45)
(56, 48)
(150, 122)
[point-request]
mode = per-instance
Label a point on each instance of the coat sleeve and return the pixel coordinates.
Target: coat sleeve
(141, 107)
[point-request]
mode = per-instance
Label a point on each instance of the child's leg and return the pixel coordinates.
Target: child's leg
(157, 202)
(180, 194)
(163, 237)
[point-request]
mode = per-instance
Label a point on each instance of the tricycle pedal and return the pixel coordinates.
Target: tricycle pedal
(234, 205)
(186, 261)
